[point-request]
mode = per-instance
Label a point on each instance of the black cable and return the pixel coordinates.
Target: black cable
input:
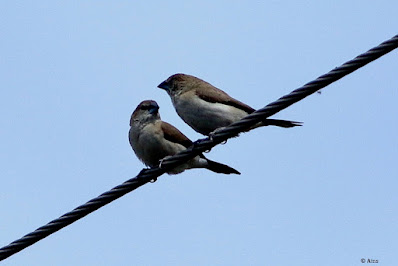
(147, 175)
(285, 101)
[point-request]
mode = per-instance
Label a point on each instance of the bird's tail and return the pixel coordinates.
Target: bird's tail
(221, 168)
(280, 123)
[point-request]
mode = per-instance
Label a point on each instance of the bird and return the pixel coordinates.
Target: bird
(153, 140)
(206, 108)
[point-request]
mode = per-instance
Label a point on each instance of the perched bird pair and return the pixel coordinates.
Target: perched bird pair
(203, 107)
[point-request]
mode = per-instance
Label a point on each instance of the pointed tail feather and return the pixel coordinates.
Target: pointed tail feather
(221, 168)
(280, 123)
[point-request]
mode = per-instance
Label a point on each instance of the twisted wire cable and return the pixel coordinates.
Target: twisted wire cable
(148, 175)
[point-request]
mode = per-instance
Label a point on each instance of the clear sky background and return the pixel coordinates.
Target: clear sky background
(72, 72)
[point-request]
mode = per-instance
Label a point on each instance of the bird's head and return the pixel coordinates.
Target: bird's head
(179, 83)
(146, 111)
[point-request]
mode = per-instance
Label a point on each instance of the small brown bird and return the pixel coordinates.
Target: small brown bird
(152, 140)
(206, 108)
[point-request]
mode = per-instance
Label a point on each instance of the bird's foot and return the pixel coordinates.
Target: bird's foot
(161, 161)
(200, 141)
(211, 135)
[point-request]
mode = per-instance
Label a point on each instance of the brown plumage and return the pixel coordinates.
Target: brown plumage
(153, 139)
(206, 108)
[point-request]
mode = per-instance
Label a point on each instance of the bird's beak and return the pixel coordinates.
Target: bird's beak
(164, 86)
(153, 110)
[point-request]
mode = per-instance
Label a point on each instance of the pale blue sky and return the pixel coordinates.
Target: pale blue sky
(323, 194)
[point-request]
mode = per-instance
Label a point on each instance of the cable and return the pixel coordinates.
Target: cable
(311, 87)
(148, 175)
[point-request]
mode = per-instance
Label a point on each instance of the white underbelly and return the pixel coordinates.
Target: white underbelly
(205, 117)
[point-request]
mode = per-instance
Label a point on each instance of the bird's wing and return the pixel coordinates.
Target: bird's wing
(174, 135)
(212, 94)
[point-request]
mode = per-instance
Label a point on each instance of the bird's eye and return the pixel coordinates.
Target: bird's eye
(144, 107)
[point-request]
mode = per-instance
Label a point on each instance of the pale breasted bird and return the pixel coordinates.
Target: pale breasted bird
(206, 108)
(153, 139)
